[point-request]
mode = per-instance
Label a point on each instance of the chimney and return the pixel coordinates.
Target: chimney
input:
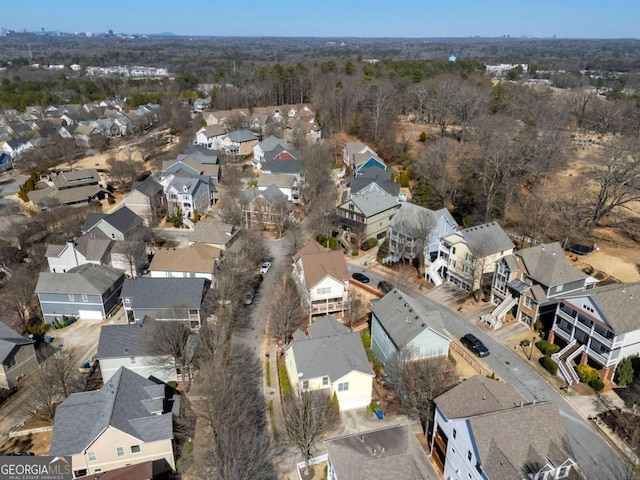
(361, 438)
(374, 452)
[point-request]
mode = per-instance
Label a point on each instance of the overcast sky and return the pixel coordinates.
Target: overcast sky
(332, 18)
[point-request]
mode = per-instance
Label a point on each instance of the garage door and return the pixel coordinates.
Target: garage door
(90, 315)
(358, 402)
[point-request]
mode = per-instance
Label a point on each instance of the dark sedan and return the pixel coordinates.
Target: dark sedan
(475, 345)
(361, 277)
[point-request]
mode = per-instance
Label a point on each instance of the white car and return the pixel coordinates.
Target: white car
(265, 268)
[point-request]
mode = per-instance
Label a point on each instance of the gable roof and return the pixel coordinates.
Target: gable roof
(9, 340)
(326, 326)
(127, 402)
(163, 293)
(211, 131)
(216, 232)
(271, 142)
(548, 265)
(271, 194)
(331, 352)
(398, 455)
(122, 340)
(240, 136)
(88, 279)
(404, 318)
(210, 157)
(369, 175)
(319, 262)
(124, 220)
(76, 177)
(148, 187)
(372, 202)
(193, 184)
(198, 258)
(48, 196)
(357, 147)
(279, 179)
(486, 239)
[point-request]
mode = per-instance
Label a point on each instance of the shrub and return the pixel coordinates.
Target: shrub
(538, 326)
(423, 137)
(625, 371)
(267, 372)
(596, 384)
(525, 343)
(586, 373)
(354, 253)
(284, 381)
(552, 348)
(38, 328)
(366, 341)
(452, 360)
(542, 345)
(372, 242)
(547, 348)
(549, 365)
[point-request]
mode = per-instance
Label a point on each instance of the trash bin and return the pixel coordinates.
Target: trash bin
(379, 414)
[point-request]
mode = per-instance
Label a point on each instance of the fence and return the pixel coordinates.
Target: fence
(29, 431)
(523, 238)
(471, 360)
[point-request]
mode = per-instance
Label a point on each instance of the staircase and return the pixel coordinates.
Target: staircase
(391, 259)
(494, 319)
(432, 272)
(188, 223)
(564, 358)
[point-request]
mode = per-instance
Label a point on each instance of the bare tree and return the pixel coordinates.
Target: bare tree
(466, 106)
(443, 93)
(126, 170)
(417, 383)
(355, 309)
(294, 240)
(281, 210)
(17, 295)
(285, 311)
(230, 211)
(236, 122)
(438, 166)
(308, 416)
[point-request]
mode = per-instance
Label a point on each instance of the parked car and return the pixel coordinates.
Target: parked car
(265, 268)
(384, 286)
(361, 277)
(257, 281)
(475, 345)
(249, 296)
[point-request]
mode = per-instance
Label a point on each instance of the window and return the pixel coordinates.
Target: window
(325, 381)
(85, 298)
(72, 297)
(563, 472)
(92, 456)
(453, 251)
(305, 384)
(323, 291)
(528, 302)
(135, 448)
(559, 288)
(120, 451)
(343, 387)
(454, 433)
(469, 455)
(10, 362)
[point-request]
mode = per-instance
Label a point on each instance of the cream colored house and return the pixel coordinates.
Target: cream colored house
(196, 261)
(17, 355)
(367, 214)
(330, 358)
(127, 422)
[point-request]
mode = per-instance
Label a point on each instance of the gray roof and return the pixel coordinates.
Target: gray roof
(373, 202)
(356, 147)
(213, 232)
(486, 239)
(333, 355)
(399, 455)
(208, 158)
(279, 165)
(75, 177)
(410, 214)
(201, 149)
(272, 142)
(9, 340)
(128, 402)
(92, 219)
(155, 293)
(620, 304)
(88, 279)
(326, 326)
(66, 196)
(271, 194)
(124, 220)
(404, 318)
(239, 136)
(282, 180)
(193, 184)
(375, 175)
(148, 186)
(122, 340)
(548, 265)
(476, 396)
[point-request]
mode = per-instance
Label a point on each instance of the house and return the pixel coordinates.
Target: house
(17, 356)
(193, 165)
(529, 282)
(88, 292)
(164, 299)
(214, 233)
(147, 200)
(186, 195)
(372, 175)
(16, 147)
(196, 261)
(400, 323)
(264, 209)
(6, 162)
(478, 434)
(351, 149)
(127, 346)
(598, 327)
(388, 453)
(415, 231)
(331, 359)
(467, 256)
(211, 136)
(123, 224)
(283, 161)
(71, 188)
(86, 249)
(84, 134)
(240, 142)
(322, 278)
(289, 185)
(367, 160)
(75, 178)
(267, 145)
(367, 215)
(128, 421)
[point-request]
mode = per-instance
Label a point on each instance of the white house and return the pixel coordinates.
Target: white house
(322, 278)
(400, 323)
(211, 137)
(355, 148)
(330, 358)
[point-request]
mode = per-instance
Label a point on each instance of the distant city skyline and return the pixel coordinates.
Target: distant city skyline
(333, 18)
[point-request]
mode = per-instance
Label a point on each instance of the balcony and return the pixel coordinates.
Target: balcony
(326, 307)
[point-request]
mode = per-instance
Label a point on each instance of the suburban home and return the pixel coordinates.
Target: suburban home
(322, 278)
(372, 175)
(264, 209)
(297, 129)
(367, 215)
(196, 261)
(186, 195)
(72, 188)
(351, 149)
(164, 299)
(84, 134)
(214, 233)
(210, 136)
(240, 142)
(478, 434)
(415, 230)
(86, 249)
(128, 421)
(598, 327)
(127, 346)
(147, 200)
(388, 453)
(283, 161)
(123, 224)
(6, 162)
(193, 165)
(333, 359)
(528, 283)
(289, 185)
(89, 292)
(267, 145)
(467, 257)
(17, 355)
(16, 147)
(400, 323)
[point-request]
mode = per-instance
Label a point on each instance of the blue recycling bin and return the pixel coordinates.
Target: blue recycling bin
(379, 414)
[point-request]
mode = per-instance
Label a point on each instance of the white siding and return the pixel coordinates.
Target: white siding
(457, 466)
(429, 344)
(162, 369)
(381, 344)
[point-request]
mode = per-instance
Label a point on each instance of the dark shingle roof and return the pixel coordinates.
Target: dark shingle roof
(89, 279)
(9, 340)
(121, 340)
(548, 265)
(487, 239)
(370, 175)
(148, 186)
(124, 220)
(240, 136)
(164, 292)
(127, 402)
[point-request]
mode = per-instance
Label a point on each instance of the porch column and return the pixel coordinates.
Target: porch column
(606, 374)
(584, 358)
(552, 336)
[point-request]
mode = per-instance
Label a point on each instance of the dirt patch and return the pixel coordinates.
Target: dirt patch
(36, 443)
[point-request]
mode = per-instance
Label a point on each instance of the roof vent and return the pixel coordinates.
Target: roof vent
(361, 438)
(374, 452)
(484, 397)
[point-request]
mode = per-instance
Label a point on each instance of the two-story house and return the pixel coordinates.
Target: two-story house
(214, 233)
(529, 282)
(127, 422)
(122, 224)
(598, 327)
(210, 136)
(239, 142)
(351, 149)
(322, 278)
(197, 261)
(86, 249)
(17, 357)
(333, 359)
(186, 194)
(264, 209)
(415, 231)
(478, 430)
(147, 200)
(467, 257)
(70, 188)
(367, 214)
(399, 323)
(267, 145)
